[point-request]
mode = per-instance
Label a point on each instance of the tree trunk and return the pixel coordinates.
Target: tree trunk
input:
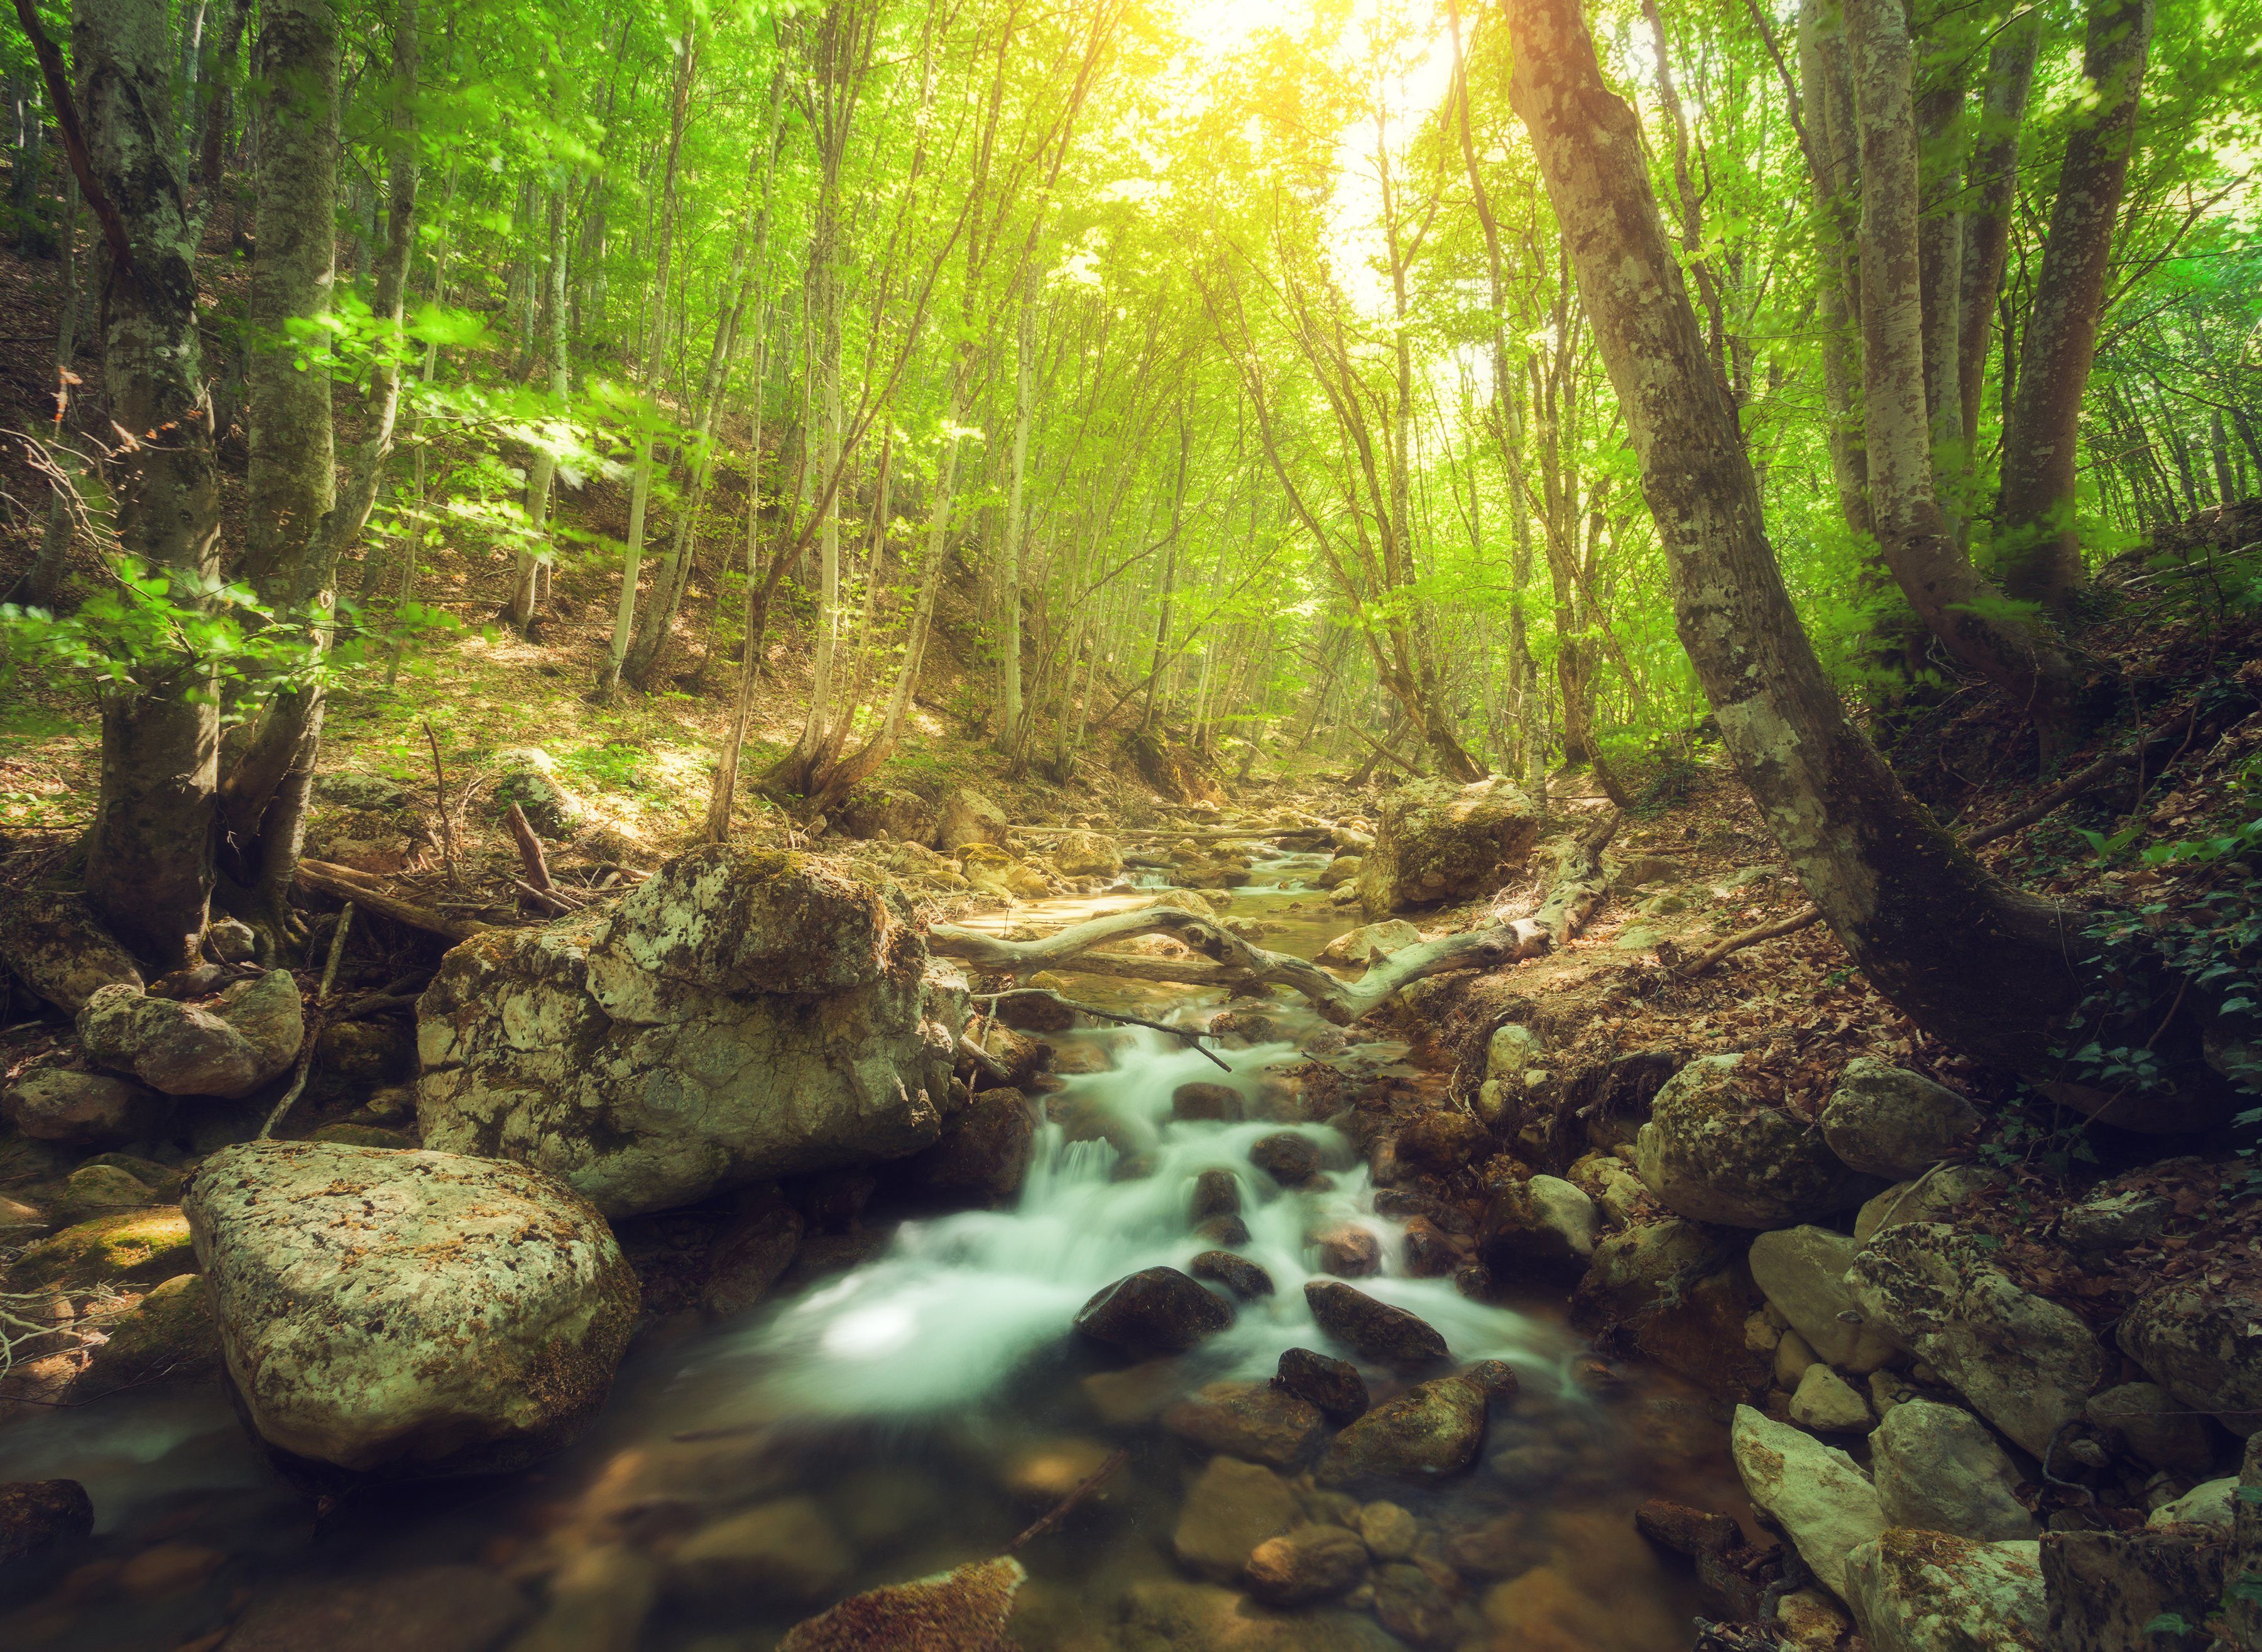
(1012, 562)
(1965, 957)
(149, 869)
(1992, 184)
(2035, 543)
(1939, 97)
(292, 477)
(544, 474)
(1964, 610)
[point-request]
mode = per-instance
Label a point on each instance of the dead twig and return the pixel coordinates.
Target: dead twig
(1091, 1484)
(305, 1063)
(1192, 1038)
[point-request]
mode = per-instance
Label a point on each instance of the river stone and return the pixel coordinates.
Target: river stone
(1923, 1592)
(170, 1335)
(1335, 1386)
(1888, 1121)
(245, 1037)
(1933, 1197)
(1372, 1329)
(58, 948)
(1252, 1420)
(1155, 1310)
(1203, 1102)
(965, 816)
(1827, 1403)
(2159, 1429)
(1237, 1273)
(1216, 1193)
(1346, 1250)
(1814, 1492)
(430, 1608)
(2203, 1344)
(2102, 1225)
(406, 1314)
(1230, 1508)
(985, 1152)
(1435, 841)
(1433, 1429)
(92, 1191)
(1939, 1469)
(2027, 1365)
(2106, 1592)
(778, 1553)
(964, 1610)
(1539, 1226)
(1312, 1562)
(1288, 1157)
(874, 811)
(37, 1515)
(59, 1104)
(1713, 1153)
(1370, 943)
(1638, 1267)
(743, 1014)
(1802, 1272)
(1087, 855)
(1443, 1141)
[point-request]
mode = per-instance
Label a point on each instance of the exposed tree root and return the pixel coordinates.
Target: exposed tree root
(362, 889)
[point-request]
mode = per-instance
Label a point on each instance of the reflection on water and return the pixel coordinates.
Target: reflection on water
(918, 1411)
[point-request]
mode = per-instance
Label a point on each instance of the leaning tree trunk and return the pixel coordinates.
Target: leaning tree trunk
(1964, 610)
(2035, 543)
(1992, 181)
(149, 868)
(1964, 955)
(293, 477)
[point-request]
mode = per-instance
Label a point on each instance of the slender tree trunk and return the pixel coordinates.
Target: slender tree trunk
(1991, 185)
(1966, 958)
(148, 870)
(42, 583)
(1942, 92)
(538, 483)
(2016, 653)
(292, 477)
(655, 364)
(2036, 545)
(1014, 555)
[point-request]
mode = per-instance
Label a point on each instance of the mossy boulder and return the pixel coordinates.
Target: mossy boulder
(1715, 1150)
(135, 1247)
(1437, 841)
(404, 1315)
(55, 946)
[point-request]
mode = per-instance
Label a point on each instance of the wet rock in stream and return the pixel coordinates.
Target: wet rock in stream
(1312, 1562)
(1374, 1329)
(1237, 1273)
(1252, 1420)
(1433, 1429)
(1155, 1310)
(1333, 1385)
(1288, 1158)
(1205, 1102)
(964, 1610)
(37, 1516)
(431, 1609)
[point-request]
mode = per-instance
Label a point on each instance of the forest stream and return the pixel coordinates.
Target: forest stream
(918, 1410)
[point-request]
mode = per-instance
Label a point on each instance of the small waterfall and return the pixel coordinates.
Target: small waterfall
(943, 1319)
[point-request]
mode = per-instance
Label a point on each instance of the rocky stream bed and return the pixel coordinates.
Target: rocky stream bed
(751, 1262)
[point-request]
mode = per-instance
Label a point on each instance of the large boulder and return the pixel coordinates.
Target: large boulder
(403, 1314)
(56, 946)
(1537, 1227)
(1939, 1469)
(1437, 841)
(1922, 1591)
(2203, 1344)
(872, 810)
(2028, 1365)
(1714, 1151)
(248, 1036)
(1802, 1272)
(1824, 1503)
(1888, 1121)
(1370, 943)
(965, 816)
(743, 1014)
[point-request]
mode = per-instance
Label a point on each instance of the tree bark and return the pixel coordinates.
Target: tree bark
(1964, 956)
(292, 477)
(2036, 541)
(149, 857)
(1966, 612)
(1992, 184)
(561, 389)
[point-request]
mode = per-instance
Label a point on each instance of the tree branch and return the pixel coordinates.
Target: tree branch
(59, 93)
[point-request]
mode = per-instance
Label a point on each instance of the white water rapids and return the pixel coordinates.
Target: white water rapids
(943, 1317)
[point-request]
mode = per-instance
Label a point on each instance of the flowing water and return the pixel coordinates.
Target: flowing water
(921, 1407)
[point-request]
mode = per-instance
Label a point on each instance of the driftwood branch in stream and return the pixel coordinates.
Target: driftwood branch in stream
(1191, 1035)
(1235, 963)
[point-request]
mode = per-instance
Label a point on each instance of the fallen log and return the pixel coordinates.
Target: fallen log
(366, 891)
